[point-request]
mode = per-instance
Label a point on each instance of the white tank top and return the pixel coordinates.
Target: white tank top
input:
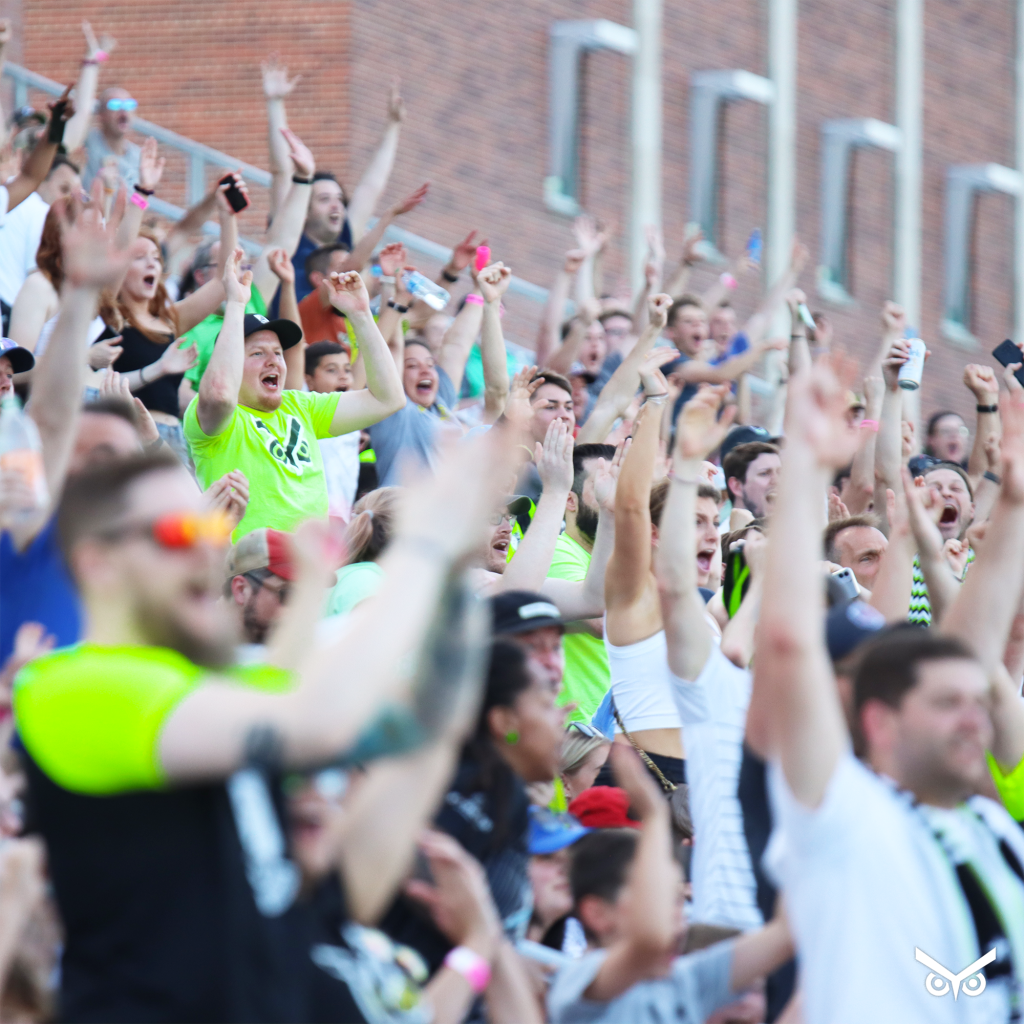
(640, 684)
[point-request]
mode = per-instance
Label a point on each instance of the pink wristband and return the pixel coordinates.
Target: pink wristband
(140, 201)
(870, 424)
(100, 56)
(728, 280)
(474, 300)
(473, 967)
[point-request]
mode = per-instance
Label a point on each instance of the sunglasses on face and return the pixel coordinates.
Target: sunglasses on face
(122, 104)
(179, 531)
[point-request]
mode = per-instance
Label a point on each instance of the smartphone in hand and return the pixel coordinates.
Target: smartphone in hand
(236, 198)
(1007, 354)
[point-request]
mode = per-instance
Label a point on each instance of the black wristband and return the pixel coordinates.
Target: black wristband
(299, 180)
(986, 408)
(398, 306)
(450, 278)
(989, 475)
(144, 191)
(55, 129)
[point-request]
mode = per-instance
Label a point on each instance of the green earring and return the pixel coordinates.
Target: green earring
(512, 737)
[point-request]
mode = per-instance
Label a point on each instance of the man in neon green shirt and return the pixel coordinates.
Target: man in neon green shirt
(244, 418)
(587, 676)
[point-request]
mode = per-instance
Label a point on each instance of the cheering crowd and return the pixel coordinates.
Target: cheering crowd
(358, 667)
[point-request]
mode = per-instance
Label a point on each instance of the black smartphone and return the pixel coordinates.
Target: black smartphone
(235, 196)
(1008, 353)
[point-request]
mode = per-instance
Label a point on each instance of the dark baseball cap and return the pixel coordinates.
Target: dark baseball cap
(521, 611)
(21, 359)
(847, 626)
(288, 333)
(744, 435)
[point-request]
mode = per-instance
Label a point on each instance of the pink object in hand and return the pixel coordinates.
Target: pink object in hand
(140, 201)
(483, 257)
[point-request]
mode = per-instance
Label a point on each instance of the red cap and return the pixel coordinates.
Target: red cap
(262, 549)
(603, 807)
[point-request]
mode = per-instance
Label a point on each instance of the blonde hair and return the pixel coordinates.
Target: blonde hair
(372, 525)
(576, 748)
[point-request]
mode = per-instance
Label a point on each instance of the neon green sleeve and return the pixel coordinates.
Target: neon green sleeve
(1010, 787)
(319, 409)
(91, 717)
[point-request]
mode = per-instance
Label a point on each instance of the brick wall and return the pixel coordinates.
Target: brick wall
(475, 82)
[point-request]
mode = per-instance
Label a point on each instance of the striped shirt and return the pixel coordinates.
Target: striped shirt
(920, 613)
(713, 710)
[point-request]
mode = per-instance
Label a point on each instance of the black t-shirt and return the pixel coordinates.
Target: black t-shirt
(178, 905)
(138, 352)
(494, 830)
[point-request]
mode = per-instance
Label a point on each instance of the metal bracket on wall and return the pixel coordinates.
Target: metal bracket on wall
(709, 91)
(839, 138)
(569, 41)
(963, 183)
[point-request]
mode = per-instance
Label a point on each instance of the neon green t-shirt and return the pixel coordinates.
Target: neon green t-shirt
(277, 451)
(91, 716)
(204, 335)
(1010, 787)
(587, 675)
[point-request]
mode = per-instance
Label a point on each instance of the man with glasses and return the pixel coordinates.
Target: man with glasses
(259, 575)
(108, 142)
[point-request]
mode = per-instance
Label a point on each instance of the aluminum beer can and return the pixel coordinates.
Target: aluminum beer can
(911, 370)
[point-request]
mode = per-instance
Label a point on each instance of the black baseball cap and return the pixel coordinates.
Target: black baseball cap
(288, 332)
(848, 626)
(21, 359)
(521, 611)
(744, 435)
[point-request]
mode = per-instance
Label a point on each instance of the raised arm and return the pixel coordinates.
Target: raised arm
(85, 90)
(549, 334)
(440, 523)
(697, 372)
(795, 714)
(699, 432)
(862, 470)
(363, 251)
(218, 390)
(375, 178)
(924, 507)
(981, 381)
(492, 282)
(562, 360)
(680, 279)
(276, 88)
(757, 326)
(890, 592)
(286, 229)
(630, 565)
(649, 926)
(383, 393)
(889, 443)
(37, 166)
(288, 309)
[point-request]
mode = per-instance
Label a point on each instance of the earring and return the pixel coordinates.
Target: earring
(512, 737)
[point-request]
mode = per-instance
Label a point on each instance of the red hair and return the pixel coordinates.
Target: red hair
(160, 305)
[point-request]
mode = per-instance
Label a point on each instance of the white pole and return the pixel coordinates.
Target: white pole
(782, 52)
(646, 140)
(1018, 263)
(909, 91)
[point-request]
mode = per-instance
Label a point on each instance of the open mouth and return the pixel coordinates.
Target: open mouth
(500, 545)
(424, 387)
(271, 381)
(149, 280)
(704, 560)
(950, 514)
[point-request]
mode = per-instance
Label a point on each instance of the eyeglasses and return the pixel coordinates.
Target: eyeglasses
(281, 592)
(497, 518)
(586, 729)
(122, 104)
(178, 531)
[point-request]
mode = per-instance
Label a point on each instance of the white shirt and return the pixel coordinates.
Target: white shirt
(866, 884)
(20, 232)
(341, 467)
(713, 709)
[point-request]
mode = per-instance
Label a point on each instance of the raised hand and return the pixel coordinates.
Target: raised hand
(894, 320)
(62, 108)
(518, 410)
(115, 385)
(392, 258)
(651, 378)
(699, 429)
(924, 510)
(93, 258)
(589, 237)
(104, 353)
(396, 105)
(606, 477)
(755, 551)
(554, 457)
(230, 495)
(692, 241)
(493, 281)
(836, 508)
(105, 44)
(151, 164)
(956, 553)
(237, 285)
(222, 200)
(798, 257)
(276, 83)
(302, 158)
(281, 265)
(347, 293)
(7, 31)
(898, 354)
(816, 410)
(178, 358)
(573, 261)
(411, 201)
(1011, 412)
(981, 381)
(658, 307)
(464, 252)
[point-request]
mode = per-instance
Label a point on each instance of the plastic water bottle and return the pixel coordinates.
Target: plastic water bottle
(423, 288)
(21, 454)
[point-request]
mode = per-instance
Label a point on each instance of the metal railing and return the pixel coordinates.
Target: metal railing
(200, 156)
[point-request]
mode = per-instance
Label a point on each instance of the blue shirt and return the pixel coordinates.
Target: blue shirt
(36, 587)
(306, 246)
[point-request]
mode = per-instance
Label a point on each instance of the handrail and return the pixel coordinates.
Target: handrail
(201, 155)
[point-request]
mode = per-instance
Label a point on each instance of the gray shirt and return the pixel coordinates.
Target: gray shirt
(411, 429)
(697, 985)
(98, 152)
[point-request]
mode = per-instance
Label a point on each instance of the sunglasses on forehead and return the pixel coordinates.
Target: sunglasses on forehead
(586, 729)
(178, 531)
